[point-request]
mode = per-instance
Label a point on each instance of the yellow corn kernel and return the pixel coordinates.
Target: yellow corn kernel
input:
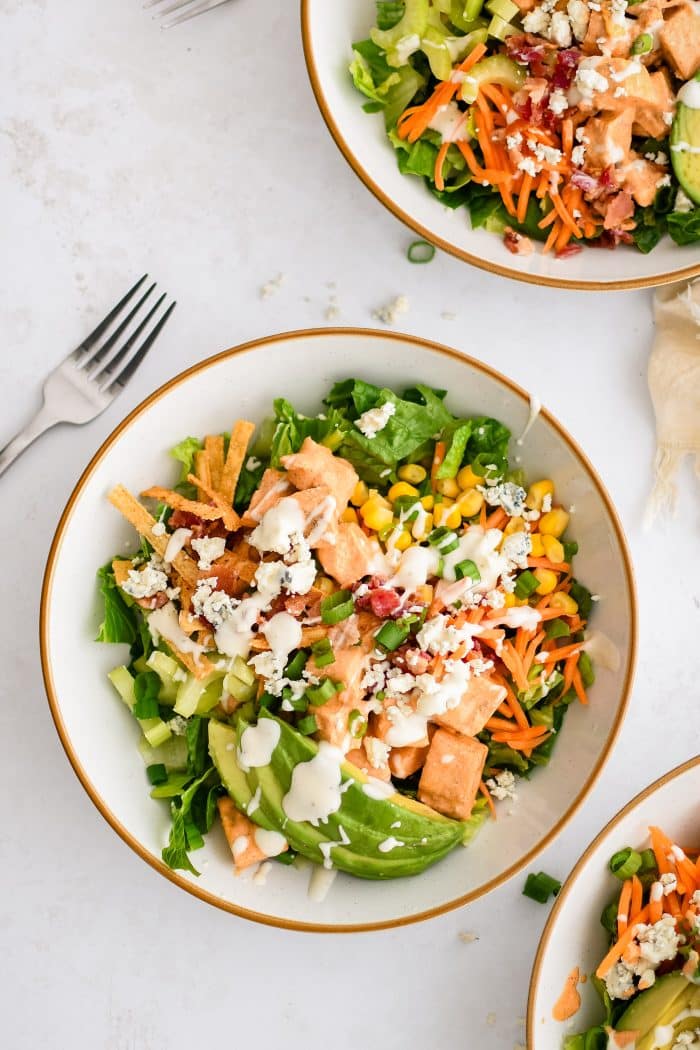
(375, 515)
(553, 549)
(514, 525)
(448, 487)
(510, 600)
(349, 514)
(548, 580)
(360, 494)
(467, 479)
(470, 503)
(554, 522)
(403, 542)
(413, 472)
(564, 602)
(427, 502)
(424, 594)
(537, 493)
(452, 519)
(325, 584)
(537, 542)
(401, 488)
(441, 511)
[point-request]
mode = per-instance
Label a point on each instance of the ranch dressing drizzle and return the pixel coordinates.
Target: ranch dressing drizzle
(164, 623)
(177, 541)
(320, 882)
(315, 789)
(270, 842)
(318, 520)
(480, 546)
(535, 409)
(257, 744)
(279, 486)
(283, 634)
(602, 651)
(417, 564)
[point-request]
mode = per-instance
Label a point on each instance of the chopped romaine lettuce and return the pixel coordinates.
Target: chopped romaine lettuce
(120, 623)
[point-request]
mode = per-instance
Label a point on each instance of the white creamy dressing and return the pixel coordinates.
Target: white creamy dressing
(326, 847)
(689, 94)
(176, 542)
(517, 616)
(480, 546)
(320, 882)
(438, 697)
(280, 486)
(240, 845)
(283, 634)
(164, 623)
(663, 1034)
(407, 727)
(258, 743)
(271, 843)
(451, 123)
(602, 651)
(319, 519)
(315, 792)
(255, 800)
(684, 147)
(378, 789)
(277, 526)
(389, 844)
(406, 47)
(345, 634)
(535, 409)
(416, 566)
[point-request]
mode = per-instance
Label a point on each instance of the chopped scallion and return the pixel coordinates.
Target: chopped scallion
(420, 252)
(323, 653)
(337, 607)
(157, 773)
(625, 863)
(392, 634)
(526, 584)
(467, 568)
(321, 694)
(540, 887)
(307, 725)
(357, 724)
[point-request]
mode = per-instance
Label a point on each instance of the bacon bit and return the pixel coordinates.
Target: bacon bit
(582, 181)
(568, 250)
(565, 68)
(516, 243)
(527, 49)
(621, 207)
(156, 601)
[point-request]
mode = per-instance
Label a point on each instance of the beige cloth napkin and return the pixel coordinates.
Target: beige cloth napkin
(674, 383)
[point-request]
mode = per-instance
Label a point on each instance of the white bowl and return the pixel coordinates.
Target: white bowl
(328, 31)
(573, 935)
(99, 736)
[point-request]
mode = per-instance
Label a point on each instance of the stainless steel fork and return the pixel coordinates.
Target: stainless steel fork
(187, 8)
(91, 377)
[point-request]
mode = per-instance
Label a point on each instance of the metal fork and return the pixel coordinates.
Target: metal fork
(89, 379)
(193, 8)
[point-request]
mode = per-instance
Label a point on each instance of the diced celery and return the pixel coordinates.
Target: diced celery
(472, 9)
(496, 69)
(140, 664)
(172, 754)
(500, 29)
(243, 670)
(155, 730)
(197, 696)
(398, 42)
(166, 668)
(505, 9)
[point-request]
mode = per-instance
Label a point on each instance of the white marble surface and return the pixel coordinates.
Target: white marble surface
(199, 155)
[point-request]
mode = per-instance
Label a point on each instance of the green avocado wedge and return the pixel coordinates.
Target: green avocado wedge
(670, 1006)
(685, 140)
(370, 837)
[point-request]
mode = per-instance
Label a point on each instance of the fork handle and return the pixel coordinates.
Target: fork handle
(42, 421)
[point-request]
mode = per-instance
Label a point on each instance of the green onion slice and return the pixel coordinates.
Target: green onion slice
(307, 725)
(323, 653)
(540, 887)
(625, 863)
(467, 568)
(526, 584)
(420, 252)
(337, 607)
(392, 634)
(157, 773)
(357, 724)
(321, 694)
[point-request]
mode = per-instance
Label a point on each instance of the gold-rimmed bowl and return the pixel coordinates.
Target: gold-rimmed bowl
(328, 31)
(573, 936)
(99, 736)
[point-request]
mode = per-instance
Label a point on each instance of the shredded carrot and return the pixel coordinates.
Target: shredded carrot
(567, 136)
(439, 164)
(512, 701)
(578, 686)
(438, 456)
(515, 665)
(487, 795)
(618, 948)
(496, 519)
(524, 196)
(415, 120)
(545, 563)
(623, 908)
(636, 898)
(554, 233)
(564, 651)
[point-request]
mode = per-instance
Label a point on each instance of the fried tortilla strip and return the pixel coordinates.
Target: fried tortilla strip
(143, 522)
(309, 635)
(226, 513)
(191, 506)
(214, 448)
(202, 464)
(241, 433)
(121, 568)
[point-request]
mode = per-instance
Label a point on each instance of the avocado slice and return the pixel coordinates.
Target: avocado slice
(656, 1009)
(685, 139)
(423, 835)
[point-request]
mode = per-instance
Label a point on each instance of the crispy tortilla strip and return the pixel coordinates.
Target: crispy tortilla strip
(188, 623)
(121, 569)
(214, 448)
(309, 635)
(190, 506)
(241, 433)
(225, 511)
(203, 471)
(143, 522)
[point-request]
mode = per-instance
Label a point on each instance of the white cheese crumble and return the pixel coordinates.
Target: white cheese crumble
(209, 549)
(374, 420)
(502, 786)
(558, 102)
(389, 314)
(145, 582)
(158, 529)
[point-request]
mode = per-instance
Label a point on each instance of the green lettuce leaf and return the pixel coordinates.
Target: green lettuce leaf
(456, 437)
(292, 428)
(192, 813)
(120, 623)
(389, 13)
(184, 453)
(353, 397)
(684, 227)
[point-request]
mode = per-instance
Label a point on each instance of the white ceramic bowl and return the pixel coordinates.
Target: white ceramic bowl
(328, 31)
(99, 736)
(573, 935)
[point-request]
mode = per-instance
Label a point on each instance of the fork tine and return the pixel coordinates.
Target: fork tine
(209, 5)
(109, 368)
(131, 366)
(104, 325)
(103, 351)
(175, 6)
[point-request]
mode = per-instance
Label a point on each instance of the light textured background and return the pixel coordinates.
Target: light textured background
(199, 154)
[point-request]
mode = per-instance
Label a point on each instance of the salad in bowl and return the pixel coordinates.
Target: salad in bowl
(351, 634)
(649, 979)
(571, 123)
